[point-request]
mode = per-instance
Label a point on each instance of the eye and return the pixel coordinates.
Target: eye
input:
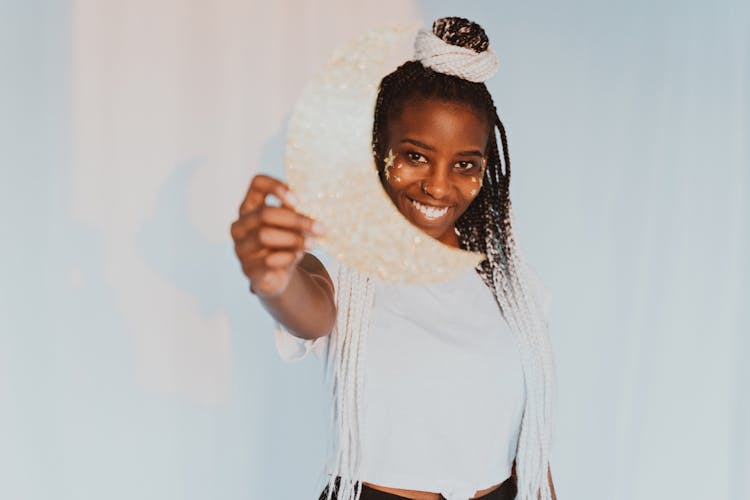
(465, 166)
(415, 157)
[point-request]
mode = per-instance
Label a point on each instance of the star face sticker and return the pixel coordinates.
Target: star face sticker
(389, 164)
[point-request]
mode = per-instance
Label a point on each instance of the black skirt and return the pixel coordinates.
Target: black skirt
(506, 491)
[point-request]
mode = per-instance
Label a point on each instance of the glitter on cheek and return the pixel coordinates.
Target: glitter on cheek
(474, 181)
(396, 164)
(389, 164)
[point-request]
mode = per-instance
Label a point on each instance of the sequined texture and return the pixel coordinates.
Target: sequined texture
(329, 165)
(389, 164)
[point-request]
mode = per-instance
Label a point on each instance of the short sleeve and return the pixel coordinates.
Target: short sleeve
(292, 348)
(328, 261)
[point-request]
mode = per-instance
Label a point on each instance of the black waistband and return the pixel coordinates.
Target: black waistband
(506, 491)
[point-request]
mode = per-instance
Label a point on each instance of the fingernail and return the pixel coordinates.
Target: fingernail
(318, 228)
(291, 198)
(309, 243)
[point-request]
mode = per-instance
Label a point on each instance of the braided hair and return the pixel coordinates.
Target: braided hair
(485, 226)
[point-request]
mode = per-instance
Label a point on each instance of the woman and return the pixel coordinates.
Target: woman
(442, 390)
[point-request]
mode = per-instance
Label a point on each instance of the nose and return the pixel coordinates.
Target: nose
(437, 184)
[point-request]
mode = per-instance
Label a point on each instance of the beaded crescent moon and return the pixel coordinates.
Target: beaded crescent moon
(330, 167)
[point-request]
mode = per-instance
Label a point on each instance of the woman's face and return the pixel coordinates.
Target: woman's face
(437, 165)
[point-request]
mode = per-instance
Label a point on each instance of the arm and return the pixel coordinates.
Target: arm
(306, 307)
(270, 243)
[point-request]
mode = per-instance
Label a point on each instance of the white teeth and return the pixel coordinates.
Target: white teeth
(430, 212)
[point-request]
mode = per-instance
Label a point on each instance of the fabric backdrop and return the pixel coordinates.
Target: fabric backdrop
(135, 364)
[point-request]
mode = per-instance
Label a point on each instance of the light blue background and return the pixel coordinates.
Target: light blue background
(628, 125)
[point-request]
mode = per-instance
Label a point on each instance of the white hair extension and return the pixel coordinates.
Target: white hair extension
(435, 53)
(354, 293)
(519, 293)
(506, 301)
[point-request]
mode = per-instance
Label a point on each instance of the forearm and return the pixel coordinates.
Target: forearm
(306, 308)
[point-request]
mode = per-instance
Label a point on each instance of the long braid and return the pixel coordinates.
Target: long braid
(536, 326)
(354, 295)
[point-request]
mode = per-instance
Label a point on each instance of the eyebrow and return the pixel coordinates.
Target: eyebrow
(474, 152)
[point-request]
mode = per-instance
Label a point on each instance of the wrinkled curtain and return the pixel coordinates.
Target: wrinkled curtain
(135, 364)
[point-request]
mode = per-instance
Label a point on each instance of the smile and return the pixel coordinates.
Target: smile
(430, 213)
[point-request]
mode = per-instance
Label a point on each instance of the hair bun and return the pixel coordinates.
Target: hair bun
(457, 47)
(461, 33)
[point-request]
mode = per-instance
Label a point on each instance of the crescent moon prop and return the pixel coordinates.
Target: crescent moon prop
(329, 165)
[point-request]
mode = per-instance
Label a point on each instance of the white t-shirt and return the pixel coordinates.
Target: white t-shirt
(443, 387)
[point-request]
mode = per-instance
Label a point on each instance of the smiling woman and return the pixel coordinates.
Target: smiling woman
(438, 158)
(439, 390)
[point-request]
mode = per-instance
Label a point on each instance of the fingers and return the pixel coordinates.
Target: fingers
(289, 219)
(279, 217)
(276, 238)
(264, 260)
(284, 259)
(260, 187)
(270, 239)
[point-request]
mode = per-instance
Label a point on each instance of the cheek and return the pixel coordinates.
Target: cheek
(398, 174)
(470, 186)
